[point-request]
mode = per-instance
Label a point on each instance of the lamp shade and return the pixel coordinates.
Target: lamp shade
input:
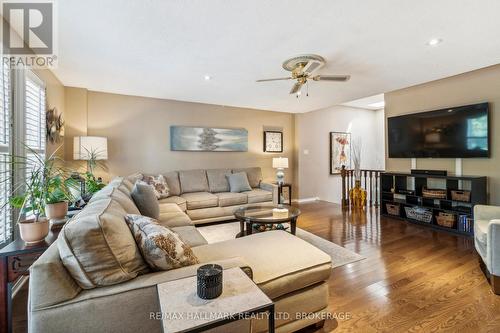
(86, 146)
(280, 162)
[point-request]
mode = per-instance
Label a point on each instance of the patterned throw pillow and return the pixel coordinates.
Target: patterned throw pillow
(159, 184)
(161, 248)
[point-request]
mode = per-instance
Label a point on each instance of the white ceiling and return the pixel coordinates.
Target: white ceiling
(165, 48)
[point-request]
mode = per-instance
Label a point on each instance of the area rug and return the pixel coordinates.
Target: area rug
(340, 256)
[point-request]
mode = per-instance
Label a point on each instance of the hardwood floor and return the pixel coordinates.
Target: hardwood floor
(412, 280)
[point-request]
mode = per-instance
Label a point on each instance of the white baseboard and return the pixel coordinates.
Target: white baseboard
(305, 200)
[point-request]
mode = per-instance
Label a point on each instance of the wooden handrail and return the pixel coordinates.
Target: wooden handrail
(369, 181)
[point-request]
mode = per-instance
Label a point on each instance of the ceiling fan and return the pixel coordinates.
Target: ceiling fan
(303, 67)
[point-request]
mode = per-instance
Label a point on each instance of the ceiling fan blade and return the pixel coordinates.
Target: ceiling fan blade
(339, 78)
(276, 79)
(296, 88)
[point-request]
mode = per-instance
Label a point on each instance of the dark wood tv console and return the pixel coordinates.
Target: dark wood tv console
(403, 190)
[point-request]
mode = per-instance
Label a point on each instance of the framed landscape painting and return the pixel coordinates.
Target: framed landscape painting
(184, 138)
(340, 151)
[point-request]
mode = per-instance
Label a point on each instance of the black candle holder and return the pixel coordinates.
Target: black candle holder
(209, 281)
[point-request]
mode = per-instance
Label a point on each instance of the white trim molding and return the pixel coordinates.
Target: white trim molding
(306, 200)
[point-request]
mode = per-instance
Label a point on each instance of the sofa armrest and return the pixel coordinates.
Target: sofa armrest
(493, 247)
(271, 188)
(484, 212)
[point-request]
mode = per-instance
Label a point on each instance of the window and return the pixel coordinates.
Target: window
(22, 133)
(5, 150)
(34, 118)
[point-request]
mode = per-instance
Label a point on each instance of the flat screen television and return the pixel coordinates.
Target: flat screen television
(458, 132)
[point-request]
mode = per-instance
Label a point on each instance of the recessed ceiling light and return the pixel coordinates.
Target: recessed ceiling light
(207, 77)
(434, 41)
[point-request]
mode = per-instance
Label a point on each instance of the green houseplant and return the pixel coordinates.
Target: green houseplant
(42, 194)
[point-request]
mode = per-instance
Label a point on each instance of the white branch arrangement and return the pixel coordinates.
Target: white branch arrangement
(356, 157)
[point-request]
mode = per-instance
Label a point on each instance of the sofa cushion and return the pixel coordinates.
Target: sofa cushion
(197, 200)
(144, 198)
(190, 235)
(238, 182)
(115, 193)
(254, 175)
(193, 181)
(134, 177)
(173, 182)
(179, 201)
(97, 247)
(231, 199)
(217, 181)
(120, 183)
(258, 195)
(172, 216)
(481, 231)
(278, 274)
(159, 184)
(168, 207)
(162, 248)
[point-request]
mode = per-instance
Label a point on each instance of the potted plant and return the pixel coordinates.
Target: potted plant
(42, 194)
(57, 196)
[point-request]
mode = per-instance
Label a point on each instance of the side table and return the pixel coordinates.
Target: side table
(183, 311)
(280, 193)
(15, 261)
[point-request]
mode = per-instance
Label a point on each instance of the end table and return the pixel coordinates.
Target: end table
(280, 193)
(15, 261)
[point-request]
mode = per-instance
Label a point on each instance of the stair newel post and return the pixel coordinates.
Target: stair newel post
(343, 174)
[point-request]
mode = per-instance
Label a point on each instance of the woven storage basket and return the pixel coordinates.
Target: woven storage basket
(433, 193)
(392, 209)
(460, 195)
(419, 214)
(446, 220)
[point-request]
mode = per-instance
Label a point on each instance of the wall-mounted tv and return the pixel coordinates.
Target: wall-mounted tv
(458, 132)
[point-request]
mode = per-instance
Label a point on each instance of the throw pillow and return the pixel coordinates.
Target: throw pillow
(144, 197)
(238, 182)
(161, 248)
(159, 184)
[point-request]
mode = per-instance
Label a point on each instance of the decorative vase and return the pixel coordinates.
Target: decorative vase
(209, 281)
(32, 232)
(357, 195)
(56, 211)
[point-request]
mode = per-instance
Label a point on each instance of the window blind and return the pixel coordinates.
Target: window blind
(34, 120)
(5, 150)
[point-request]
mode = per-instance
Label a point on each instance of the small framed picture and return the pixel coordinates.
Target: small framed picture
(273, 142)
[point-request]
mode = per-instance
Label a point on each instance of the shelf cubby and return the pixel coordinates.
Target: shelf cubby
(405, 190)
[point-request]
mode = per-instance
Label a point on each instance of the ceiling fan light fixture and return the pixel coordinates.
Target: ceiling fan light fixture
(207, 77)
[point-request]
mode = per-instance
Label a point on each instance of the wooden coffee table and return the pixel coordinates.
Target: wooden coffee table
(262, 214)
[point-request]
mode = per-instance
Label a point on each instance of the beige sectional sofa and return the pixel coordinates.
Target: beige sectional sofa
(93, 279)
(204, 195)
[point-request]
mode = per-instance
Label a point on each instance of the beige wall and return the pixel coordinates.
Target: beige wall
(55, 98)
(473, 87)
(138, 135)
(313, 145)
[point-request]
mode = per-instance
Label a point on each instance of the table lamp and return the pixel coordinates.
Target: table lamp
(90, 149)
(280, 164)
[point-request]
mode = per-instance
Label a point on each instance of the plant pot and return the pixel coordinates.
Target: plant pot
(34, 232)
(56, 211)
